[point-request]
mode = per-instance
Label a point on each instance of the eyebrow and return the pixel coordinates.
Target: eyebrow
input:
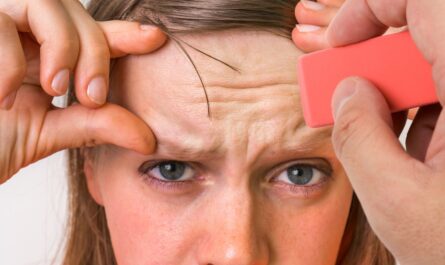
(310, 144)
(183, 151)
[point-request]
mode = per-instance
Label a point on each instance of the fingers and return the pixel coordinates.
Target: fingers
(99, 42)
(92, 70)
(363, 137)
(313, 18)
(382, 174)
(13, 61)
(421, 131)
(125, 37)
(309, 38)
(79, 126)
(72, 42)
(59, 49)
(314, 13)
(334, 3)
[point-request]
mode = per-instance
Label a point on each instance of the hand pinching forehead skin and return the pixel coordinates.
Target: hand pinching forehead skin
(250, 185)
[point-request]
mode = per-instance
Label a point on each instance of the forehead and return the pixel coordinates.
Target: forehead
(259, 101)
(261, 58)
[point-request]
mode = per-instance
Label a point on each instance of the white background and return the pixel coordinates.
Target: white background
(33, 212)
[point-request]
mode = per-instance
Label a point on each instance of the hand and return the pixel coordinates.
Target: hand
(59, 38)
(41, 51)
(313, 19)
(402, 193)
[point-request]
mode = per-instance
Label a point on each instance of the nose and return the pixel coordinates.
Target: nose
(232, 234)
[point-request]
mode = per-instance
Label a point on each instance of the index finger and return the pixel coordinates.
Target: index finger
(59, 43)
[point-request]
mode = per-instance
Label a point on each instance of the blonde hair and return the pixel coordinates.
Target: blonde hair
(88, 239)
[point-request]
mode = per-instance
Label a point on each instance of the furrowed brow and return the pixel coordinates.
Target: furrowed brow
(188, 150)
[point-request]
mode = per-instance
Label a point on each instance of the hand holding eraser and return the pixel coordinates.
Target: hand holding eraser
(392, 62)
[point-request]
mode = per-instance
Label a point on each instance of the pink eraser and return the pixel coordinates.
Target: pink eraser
(392, 62)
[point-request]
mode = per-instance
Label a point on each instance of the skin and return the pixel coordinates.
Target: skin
(239, 207)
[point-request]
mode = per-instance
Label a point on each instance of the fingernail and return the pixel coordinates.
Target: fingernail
(147, 27)
(304, 28)
(61, 81)
(344, 91)
(97, 90)
(8, 102)
(311, 5)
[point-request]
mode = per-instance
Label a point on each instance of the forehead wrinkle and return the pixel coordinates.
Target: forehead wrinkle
(297, 140)
(193, 149)
(183, 107)
(177, 139)
(255, 137)
(253, 60)
(182, 152)
(318, 145)
(248, 77)
(304, 139)
(262, 102)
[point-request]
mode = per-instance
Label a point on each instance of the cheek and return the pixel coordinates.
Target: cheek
(141, 230)
(312, 235)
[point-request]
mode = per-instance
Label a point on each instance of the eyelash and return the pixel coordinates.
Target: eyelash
(182, 184)
(324, 167)
(159, 183)
(305, 190)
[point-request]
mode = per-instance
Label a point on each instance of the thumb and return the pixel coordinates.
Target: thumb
(365, 143)
(78, 126)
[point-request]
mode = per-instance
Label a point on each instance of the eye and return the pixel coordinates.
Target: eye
(301, 175)
(170, 171)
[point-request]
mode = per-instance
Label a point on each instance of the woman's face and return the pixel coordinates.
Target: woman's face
(250, 185)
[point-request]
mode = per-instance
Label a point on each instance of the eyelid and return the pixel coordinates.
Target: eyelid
(318, 163)
(317, 176)
(150, 165)
(164, 185)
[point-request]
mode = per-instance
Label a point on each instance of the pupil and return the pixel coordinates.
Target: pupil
(300, 175)
(172, 170)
